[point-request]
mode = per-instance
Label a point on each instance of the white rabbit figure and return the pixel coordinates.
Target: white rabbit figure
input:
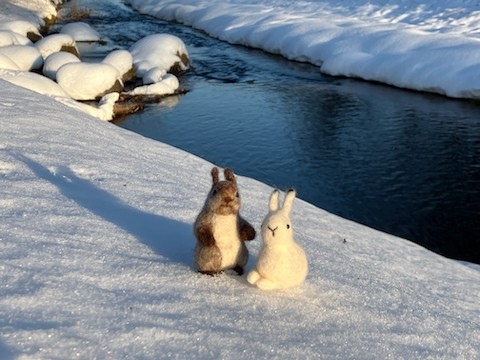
(282, 263)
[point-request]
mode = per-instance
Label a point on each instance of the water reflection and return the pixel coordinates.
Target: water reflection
(399, 161)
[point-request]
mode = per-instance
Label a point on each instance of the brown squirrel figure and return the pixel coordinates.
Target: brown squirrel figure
(220, 230)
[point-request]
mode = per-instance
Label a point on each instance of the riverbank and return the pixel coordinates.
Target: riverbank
(431, 47)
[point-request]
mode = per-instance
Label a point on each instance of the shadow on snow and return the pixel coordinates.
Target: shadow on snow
(167, 237)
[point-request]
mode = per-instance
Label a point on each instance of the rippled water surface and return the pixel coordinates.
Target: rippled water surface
(403, 162)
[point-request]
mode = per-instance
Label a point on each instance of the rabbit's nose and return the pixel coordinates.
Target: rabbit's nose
(272, 230)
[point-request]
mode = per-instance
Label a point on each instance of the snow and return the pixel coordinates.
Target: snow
(20, 27)
(45, 86)
(86, 81)
(8, 37)
(153, 75)
(158, 50)
(27, 58)
(54, 61)
(164, 86)
(432, 46)
(78, 80)
(54, 43)
(80, 31)
(96, 258)
(7, 63)
(122, 60)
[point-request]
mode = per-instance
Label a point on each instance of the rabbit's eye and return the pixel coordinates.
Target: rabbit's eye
(288, 226)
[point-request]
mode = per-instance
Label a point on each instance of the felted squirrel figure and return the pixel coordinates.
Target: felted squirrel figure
(220, 230)
(281, 263)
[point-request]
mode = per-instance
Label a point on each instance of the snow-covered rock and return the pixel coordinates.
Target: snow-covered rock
(56, 60)
(167, 86)
(26, 57)
(104, 110)
(122, 60)
(22, 27)
(7, 63)
(153, 75)
(160, 50)
(56, 42)
(80, 31)
(88, 81)
(34, 82)
(8, 37)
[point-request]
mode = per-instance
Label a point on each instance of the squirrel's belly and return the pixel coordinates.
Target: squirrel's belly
(227, 240)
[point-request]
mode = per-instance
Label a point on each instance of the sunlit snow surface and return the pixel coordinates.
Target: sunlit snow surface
(433, 46)
(96, 260)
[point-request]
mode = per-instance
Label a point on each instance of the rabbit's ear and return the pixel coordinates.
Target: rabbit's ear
(287, 203)
(214, 175)
(273, 205)
(229, 175)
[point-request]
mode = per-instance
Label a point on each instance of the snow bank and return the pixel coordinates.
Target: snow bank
(429, 47)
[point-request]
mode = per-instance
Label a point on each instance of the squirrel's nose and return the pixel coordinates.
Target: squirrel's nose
(228, 199)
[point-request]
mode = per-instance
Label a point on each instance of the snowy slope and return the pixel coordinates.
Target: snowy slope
(429, 46)
(96, 261)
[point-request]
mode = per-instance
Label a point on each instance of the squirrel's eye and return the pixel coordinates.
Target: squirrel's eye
(237, 194)
(288, 226)
(214, 191)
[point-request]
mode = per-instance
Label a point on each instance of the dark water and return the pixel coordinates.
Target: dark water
(402, 162)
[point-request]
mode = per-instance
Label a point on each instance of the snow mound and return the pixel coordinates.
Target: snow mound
(80, 31)
(121, 60)
(7, 63)
(159, 50)
(27, 58)
(88, 81)
(54, 61)
(12, 38)
(34, 82)
(153, 75)
(55, 43)
(22, 27)
(166, 86)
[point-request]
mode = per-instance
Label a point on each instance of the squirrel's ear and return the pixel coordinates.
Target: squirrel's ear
(287, 203)
(214, 175)
(273, 204)
(229, 175)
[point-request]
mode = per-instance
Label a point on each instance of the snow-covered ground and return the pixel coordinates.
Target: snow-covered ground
(421, 45)
(96, 260)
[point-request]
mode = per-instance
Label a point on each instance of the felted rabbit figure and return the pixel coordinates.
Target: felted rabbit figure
(282, 263)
